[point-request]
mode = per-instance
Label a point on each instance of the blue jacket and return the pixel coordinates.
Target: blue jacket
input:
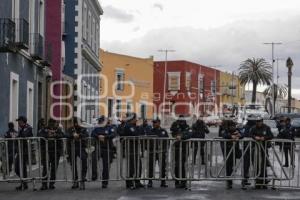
(108, 131)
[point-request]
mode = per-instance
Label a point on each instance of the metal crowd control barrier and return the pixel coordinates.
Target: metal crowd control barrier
(20, 160)
(150, 158)
(87, 160)
(145, 158)
(215, 159)
(281, 161)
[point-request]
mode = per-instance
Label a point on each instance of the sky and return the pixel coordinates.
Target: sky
(210, 32)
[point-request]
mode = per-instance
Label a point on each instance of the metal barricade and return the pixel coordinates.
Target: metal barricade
(214, 159)
(148, 159)
(145, 158)
(86, 160)
(20, 159)
(279, 172)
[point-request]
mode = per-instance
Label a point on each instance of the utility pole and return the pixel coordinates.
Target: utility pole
(289, 65)
(166, 51)
(277, 60)
(273, 88)
(277, 78)
(232, 88)
(215, 81)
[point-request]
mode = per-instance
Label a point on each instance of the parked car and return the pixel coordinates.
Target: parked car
(296, 125)
(212, 120)
(290, 115)
(272, 124)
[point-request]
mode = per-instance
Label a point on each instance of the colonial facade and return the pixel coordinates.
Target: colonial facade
(81, 36)
(232, 92)
(126, 85)
(24, 61)
(188, 87)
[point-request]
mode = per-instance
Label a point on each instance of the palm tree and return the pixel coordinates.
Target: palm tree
(256, 71)
(280, 91)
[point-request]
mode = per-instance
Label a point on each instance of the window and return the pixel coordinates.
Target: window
(174, 81)
(201, 83)
(91, 30)
(84, 107)
(110, 106)
(88, 27)
(63, 18)
(118, 108)
(88, 116)
(41, 17)
(14, 97)
(83, 67)
(30, 101)
(143, 111)
(31, 16)
(100, 84)
(15, 9)
(188, 80)
(213, 88)
(92, 34)
(129, 106)
(84, 20)
(40, 100)
(97, 39)
(120, 80)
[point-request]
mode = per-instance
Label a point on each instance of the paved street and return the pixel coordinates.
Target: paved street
(200, 190)
(203, 190)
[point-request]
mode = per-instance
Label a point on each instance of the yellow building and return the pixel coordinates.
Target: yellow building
(232, 92)
(126, 85)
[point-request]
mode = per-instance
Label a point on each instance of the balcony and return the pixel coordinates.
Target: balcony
(7, 35)
(22, 34)
(47, 60)
(37, 46)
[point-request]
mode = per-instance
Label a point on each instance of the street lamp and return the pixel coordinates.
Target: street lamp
(289, 65)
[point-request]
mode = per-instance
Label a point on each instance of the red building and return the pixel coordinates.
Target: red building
(188, 87)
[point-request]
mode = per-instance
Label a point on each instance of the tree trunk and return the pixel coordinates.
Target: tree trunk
(275, 92)
(254, 93)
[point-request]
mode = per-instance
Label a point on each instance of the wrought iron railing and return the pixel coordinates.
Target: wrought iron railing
(7, 34)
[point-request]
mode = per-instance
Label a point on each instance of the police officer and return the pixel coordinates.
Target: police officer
(261, 133)
(25, 131)
(77, 143)
(104, 133)
(248, 150)
(199, 130)
(181, 131)
(287, 132)
(158, 154)
(133, 159)
(12, 145)
(145, 128)
(231, 148)
(53, 134)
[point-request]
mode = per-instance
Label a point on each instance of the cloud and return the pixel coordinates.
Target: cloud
(158, 6)
(137, 28)
(117, 14)
(227, 46)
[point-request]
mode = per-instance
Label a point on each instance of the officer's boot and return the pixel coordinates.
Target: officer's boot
(44, 186)
(82, 185)
(75, 185)
(149, 185)
(163, 184)
(229, 185)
